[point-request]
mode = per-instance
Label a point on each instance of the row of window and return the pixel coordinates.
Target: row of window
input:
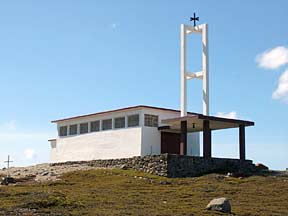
(119, 122)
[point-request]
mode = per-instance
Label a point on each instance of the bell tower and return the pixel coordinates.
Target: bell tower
(188, 75)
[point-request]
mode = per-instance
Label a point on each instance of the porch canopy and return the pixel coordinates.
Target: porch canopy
(197, 123)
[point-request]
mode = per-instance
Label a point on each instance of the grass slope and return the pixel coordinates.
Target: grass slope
(127, 192)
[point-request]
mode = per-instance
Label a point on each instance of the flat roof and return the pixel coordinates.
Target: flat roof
(117, 110)
(195, 119)
(195, 123)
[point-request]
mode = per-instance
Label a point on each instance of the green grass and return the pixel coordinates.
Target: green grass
(119, 192)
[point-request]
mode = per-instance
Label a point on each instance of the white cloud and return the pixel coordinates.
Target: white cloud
(29, 153)
(11, 125)
(273, 58)
(26, 147)
(231, 115)
(281, 92)
(114, 25)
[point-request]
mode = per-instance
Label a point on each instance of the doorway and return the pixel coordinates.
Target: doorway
(170, 143)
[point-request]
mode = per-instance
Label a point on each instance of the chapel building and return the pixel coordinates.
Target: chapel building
(120, 133)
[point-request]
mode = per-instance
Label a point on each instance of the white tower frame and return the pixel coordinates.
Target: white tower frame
(204, 74)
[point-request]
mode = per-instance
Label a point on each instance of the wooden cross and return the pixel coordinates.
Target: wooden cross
(8, 162)
(194, 19)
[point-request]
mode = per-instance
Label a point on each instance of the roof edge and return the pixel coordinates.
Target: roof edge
(213, 118)
(117, 110)
(50, 140)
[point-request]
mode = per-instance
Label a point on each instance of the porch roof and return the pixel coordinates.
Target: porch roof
(195, 123)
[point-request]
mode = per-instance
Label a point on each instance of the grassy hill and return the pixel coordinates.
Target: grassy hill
(127, 192)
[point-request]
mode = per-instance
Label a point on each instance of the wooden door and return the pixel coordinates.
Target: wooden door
(170, 143)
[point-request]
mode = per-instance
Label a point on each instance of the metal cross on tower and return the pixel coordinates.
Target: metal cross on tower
(8, 162)
(194, 19)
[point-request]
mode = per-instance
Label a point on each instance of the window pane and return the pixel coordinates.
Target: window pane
(119, 122)
(106, 124)
(73, 129)
(95, 126)
(83, 128)
(63, 131)
(133, 120)
(151, 120)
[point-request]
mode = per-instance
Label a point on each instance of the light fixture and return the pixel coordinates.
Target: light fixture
(193, 125)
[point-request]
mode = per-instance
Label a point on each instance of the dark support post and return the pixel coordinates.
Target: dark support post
(183, 138)
(206, 139)
(242, 142)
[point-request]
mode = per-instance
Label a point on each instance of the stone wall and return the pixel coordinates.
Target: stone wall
(154, 164)
(171, 165)
(187, 166)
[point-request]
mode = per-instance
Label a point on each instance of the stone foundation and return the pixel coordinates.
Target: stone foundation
(189, 166)
(173, 166)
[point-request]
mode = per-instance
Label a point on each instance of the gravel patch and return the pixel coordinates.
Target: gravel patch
(44, 172)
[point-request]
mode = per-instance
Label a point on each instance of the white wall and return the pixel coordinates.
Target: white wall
(53, 148)
(151, 141)
(162, 114)
(152, 134)
(120, 143)
(116, 143)
(193, 144)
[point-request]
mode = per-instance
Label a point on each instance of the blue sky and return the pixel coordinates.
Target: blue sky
(64, 58)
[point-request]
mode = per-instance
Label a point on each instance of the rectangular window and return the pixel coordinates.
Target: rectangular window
(119, 122)
(133, 120)
(94, 126)
(73, 129)
(107, 124)
(83, 128)
(63, 131)
(151, 120)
